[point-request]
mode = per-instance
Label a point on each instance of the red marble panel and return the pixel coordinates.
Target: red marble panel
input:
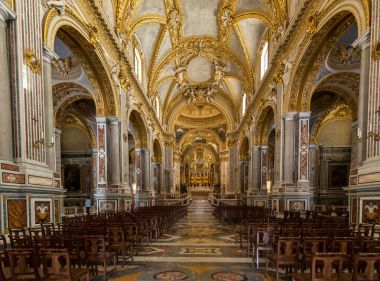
(13, 178)
(354, 210)
(10, 167)
(56, 211)
(16, 213)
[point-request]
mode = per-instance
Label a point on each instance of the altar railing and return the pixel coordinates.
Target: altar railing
(174, 199)
(217, 199)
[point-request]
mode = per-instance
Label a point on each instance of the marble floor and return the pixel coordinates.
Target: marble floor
(198, 248)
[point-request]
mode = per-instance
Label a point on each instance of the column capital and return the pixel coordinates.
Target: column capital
(6, 13)
(264, 147)
(289, 116)
(57, 131)
(364, 41)
(49, 54)
(113, 120)
(101, 119)
(304, 115)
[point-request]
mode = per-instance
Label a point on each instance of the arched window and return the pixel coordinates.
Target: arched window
(244, 104)
(264, 60)
(138, 69)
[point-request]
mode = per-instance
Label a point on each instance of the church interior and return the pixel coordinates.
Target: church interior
(232, 140)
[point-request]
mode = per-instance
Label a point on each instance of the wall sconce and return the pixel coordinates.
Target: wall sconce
(37, 143)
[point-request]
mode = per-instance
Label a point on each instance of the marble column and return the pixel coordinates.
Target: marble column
(168, 177)
(223, 171)
(102, 152)
(303, 147)
(138, 170)
(313, 162)
(48, 56)
(114, 148)
(364, 44)
(6, 130)
(289, 143)
(233, 170)
(256, 176)
(145, 161)
(264, 175)
(57, 142)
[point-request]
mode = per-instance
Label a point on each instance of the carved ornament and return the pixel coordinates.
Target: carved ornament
(31, 60)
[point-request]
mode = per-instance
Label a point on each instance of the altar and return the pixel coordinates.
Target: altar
(200, 190)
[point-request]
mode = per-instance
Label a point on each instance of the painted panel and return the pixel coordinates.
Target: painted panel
(13, 178)
(41, 210)
(16, 209)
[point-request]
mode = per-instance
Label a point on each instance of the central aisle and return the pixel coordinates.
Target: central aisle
(197, 248)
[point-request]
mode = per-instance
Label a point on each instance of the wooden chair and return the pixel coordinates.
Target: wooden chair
(263, 243)
(60, 267)
(366, 268)
(97, 254)
(24, 264)
(322, 268)
(119, 243)
(311, 246)
(286, 254)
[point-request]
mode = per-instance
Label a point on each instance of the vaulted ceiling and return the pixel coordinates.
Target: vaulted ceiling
(199, 56)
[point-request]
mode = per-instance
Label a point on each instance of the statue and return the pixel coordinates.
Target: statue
(226, 17)
(115, 71)
(60, 5)
(219, 73)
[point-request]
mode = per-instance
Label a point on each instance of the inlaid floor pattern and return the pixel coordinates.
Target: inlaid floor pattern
(198, 248)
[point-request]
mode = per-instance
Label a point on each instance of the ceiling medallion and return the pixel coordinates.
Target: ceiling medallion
(200, 92)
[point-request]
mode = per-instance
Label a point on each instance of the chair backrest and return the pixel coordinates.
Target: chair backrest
(264, 237)
(315, 245)
(328, 261)
(24, 263)
(288, 246)
(59, 261)
(94, 244)
(116, 235)
(366, 267)
(343, 245)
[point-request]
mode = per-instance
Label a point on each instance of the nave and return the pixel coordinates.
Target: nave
(198, 248)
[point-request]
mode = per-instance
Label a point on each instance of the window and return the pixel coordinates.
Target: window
(264, 60)
(138, 69)
(244, 104)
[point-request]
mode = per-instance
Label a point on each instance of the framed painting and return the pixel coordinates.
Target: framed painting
(106, 205)
(72, 178)
(370, 210)
(41, 211)
(297, 205)
(338, 175)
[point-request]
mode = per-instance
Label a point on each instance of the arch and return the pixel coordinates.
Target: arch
(257, 15)
(311, 59)
(207, 134)
(64, 94)
(94, 62)
(244, 149)
(359, 8)
(157, 151)
(141, 137)
(153, 18)
(264, 124)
